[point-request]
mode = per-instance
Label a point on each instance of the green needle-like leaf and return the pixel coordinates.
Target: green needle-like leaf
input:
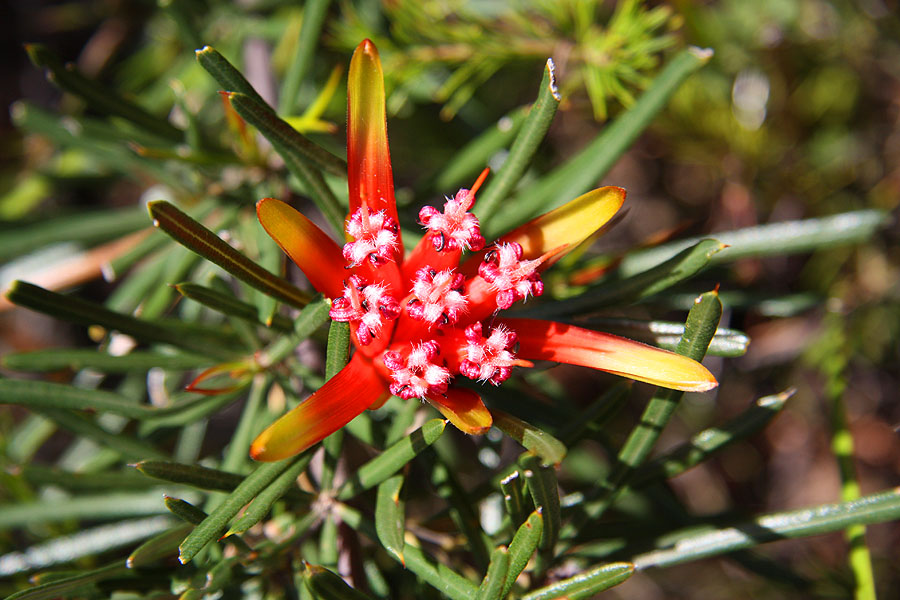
(126, 445)
(667, 334)
(196, 476)
(83, 358)
(513, 488)
(540, 443)
(583, 170)
(61, 588)
(472, 158)
(314, 12)
(229, 305)
(158, 546)
(216, 523)
(700, 327)
(586, 584)
(527, 141)
(779, 239)
(491, 587)
(392, 460)
(280, 133)
(436, 574)
(707, 442)
(680, 267)
(301, 157)
(76, 310)
(225, 73)
(815, 520)
(522, 547)
(543, 488)
(106, 101)
(193, 235)
(263, 502)
(390, 516)
(326, 585)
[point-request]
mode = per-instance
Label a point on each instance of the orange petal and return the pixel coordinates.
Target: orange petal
(317, 255)
(368, 155)
(356, 387)
(464, 409)
(558, 342)
(568, 226)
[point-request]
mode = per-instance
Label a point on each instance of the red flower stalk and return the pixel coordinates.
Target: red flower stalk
(421, 321)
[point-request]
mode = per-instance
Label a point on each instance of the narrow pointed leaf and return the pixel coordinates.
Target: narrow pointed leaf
(586, 584)
(314, 13)
(393, 459)
(513, 488)
(666, 334)
(327, 585)
(597, 414)
(540, 443)
(522, 547)
(775, 238)
(126, 445)
(471, 158)
(201, 240)
(229, 305)
(436, 574)
(82, 358)
(216, 523)
(390, 516)
(105, 100)
(526, 144)
(543, 488)
(61, 588)
(287, 139)
(558, 342)
(225, 73)
(83, 312)
(581, 172)
(189, 513)
(680, 267)
(203, 478)
(709, 441)
(263, 502)
(700, 327)
(814, 520)
(491, 587)
(158, 547)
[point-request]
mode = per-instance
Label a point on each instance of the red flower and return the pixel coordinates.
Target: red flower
(420, 321)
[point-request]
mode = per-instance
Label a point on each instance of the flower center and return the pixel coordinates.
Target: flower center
(489, 359)
(417, 375)
(455, 228)
(513, 278)
(374, 237)
(367, 306)
(438, 296)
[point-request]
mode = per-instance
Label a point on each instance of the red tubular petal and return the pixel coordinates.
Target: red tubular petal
(355, 388)
(558, 342)
(464, 409)
(368, 155)
(317, 255)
